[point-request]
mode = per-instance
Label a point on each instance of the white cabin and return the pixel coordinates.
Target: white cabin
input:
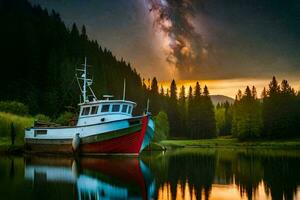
(104, 111)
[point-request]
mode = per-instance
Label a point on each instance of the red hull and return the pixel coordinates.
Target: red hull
(125, 141)
(127, 144)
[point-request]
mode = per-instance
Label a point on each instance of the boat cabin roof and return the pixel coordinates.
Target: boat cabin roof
(106, 102)
(106, 107)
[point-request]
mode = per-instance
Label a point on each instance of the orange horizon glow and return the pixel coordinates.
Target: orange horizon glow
(227, 87)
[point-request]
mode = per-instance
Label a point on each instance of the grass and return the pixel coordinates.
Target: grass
(20, 123)
(228, 142)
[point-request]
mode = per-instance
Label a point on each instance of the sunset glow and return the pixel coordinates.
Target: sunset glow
(227, 87)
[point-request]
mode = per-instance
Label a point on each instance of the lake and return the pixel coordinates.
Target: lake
(186, 173)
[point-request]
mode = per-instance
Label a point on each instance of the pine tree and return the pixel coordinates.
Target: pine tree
(271, 110)
(228, 118)
(286, 89)
(83, 33)
(74, 31)
(196, 113)
(264, 93)
(167, 93)
(154, 97)
(205, 91)
(190, 95)
(254, 92)
(190, 112)
(154, 86)
(173, 90)
(162, 92)
(246, 122)
(173, 111)
(274, 88)
(197, 91)
(182, 96)
(208, 116)
(182, 111)
(248, 93)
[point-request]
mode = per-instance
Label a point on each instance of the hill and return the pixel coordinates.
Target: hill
(221, 99)
(39, 57)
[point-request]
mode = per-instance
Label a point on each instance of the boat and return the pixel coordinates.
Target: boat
(104, 126)
(91, 177)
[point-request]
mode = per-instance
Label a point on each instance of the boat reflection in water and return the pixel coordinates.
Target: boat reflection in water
(95, 178)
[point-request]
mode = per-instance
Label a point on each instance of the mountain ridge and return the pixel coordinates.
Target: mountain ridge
(218, 98)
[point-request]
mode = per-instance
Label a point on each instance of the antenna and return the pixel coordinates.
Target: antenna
(124, 89)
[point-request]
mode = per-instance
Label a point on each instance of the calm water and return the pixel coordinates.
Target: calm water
(177, 174)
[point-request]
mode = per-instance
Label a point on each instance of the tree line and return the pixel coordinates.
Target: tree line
(275, 115)
(190, 115)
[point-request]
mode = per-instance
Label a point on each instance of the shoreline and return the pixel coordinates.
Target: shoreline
(222, 143)
(292, 144)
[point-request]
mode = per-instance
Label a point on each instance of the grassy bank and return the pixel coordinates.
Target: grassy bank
(233, 143)
(20, 123)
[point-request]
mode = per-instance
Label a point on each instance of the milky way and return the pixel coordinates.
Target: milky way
(200, 39)
(186, 48)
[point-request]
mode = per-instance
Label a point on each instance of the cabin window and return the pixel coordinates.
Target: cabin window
(129, 109)
(94, 110)
(85, 111)
(105, 108)
(116, 108)
(40, 132)
(124, 108)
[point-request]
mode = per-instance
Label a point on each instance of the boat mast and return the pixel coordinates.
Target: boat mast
(87, 82)
(84, 81)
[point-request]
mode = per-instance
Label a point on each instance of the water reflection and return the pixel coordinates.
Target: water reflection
(94, 178)
(178, 174)
(227, 174)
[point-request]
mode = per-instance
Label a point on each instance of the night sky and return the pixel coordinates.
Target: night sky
(213, 40)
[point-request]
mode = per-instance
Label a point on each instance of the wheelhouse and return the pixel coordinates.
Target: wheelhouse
(111, 107)
(106, 110)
